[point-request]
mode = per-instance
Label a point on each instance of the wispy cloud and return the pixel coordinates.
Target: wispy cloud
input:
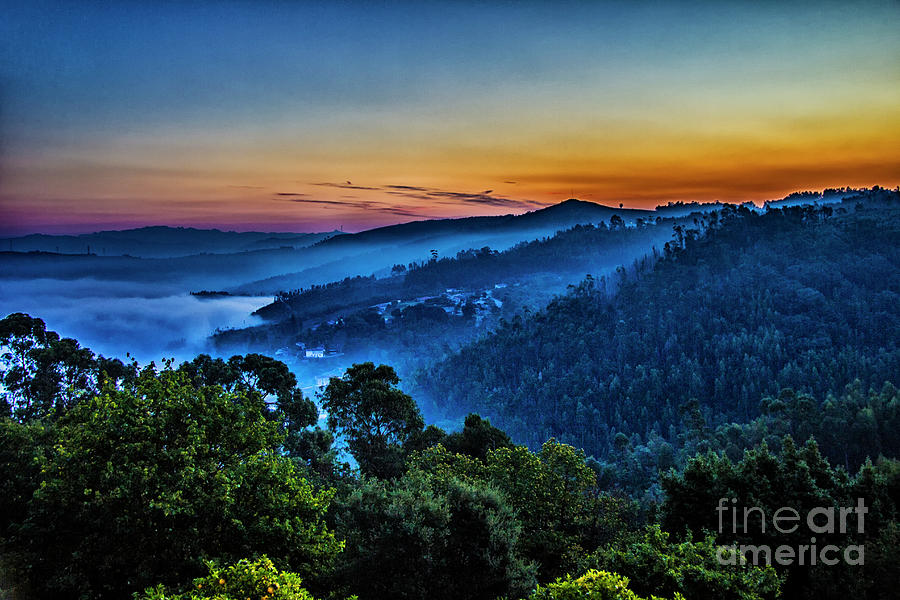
(346, 186)
(413, 195)
(483, 198)
(411, 188)
(366, 205)
(402, 212)
(487, 197)
(430, 195)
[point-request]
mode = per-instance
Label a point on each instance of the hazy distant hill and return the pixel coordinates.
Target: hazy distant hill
(160, 242)
(194, 272)
(262, 263)
(376, 250)
(551, 219)
(168, 242)
(266, 263)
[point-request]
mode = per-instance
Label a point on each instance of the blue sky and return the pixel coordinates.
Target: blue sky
(132, 113)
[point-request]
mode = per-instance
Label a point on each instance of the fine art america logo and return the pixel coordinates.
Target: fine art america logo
(820, 521)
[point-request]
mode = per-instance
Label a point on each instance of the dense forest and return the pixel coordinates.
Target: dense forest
(801, 298)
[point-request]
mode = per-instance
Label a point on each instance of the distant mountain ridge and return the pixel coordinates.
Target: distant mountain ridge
(383, 247)
(262, 263)
(563, 215)
(160, 241)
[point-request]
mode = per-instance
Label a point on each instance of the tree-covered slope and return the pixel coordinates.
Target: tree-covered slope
(805, 298)
(569, 254)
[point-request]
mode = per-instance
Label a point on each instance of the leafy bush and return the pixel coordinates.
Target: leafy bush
(256, 579)
(691, 568)
(593, 585)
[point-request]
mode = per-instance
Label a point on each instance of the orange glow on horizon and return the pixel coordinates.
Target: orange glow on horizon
(414, 116)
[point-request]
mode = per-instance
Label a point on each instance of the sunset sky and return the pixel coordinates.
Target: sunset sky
(312, 116)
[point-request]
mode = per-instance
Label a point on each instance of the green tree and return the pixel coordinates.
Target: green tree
(425, 536)
(42, 375)
(137, 486)
(21, 336)
(271, 379)
(21, 454)
(552, 493)
(477, 438)
(799, 478)
(375, 417)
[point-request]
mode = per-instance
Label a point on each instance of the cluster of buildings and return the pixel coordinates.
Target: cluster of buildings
(307, 352)
(452, 301)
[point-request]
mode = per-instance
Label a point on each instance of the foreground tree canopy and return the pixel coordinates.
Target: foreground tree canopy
(138, 483)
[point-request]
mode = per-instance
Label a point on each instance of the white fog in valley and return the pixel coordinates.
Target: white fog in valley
(112, 318)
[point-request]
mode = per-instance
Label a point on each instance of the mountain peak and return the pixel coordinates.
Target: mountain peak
(576, 204)
(572, 203)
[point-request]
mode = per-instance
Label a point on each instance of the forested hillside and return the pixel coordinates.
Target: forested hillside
(577, 249)
(803, 298)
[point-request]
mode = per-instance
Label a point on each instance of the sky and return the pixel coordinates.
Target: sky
(313, 116)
